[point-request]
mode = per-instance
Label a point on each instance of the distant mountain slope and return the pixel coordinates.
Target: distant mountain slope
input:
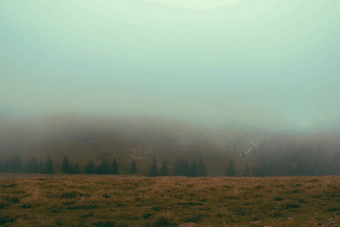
(141, 140)
(84, 139)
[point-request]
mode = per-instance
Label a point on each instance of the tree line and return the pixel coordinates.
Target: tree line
(182, 168)
(14, 164)
(105, 167)
(289, 163)
(282, 156)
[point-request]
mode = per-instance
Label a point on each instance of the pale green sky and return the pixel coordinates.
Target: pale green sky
(257, 62)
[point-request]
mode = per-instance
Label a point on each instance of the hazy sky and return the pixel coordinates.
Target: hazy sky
(260, 62)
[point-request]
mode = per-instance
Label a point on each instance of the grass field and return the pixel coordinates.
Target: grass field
(169, 201)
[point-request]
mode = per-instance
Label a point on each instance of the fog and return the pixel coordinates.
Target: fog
(266, 152)
(169, 112)
(248, 81)
(267, 64)
(23, 134)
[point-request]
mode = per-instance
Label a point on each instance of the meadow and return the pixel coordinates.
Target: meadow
(92, 200)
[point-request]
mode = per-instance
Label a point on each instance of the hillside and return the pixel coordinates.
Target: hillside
(126, 140)
(253, 152)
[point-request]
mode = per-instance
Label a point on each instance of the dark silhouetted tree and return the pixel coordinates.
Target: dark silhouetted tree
(41, 167)
(253, 171)
(164, 171)
(247, 171)
(230, 171)
(193, 169)
(104, 167)
(335, 164)
(182, 168)
(48, 165)
(32, 166)
(13, 164)
(201, 172)
(260, 171)
(133, 167)
(177, 169)
(153, 169)
(114, 167)
(90, 168)
(65, 166)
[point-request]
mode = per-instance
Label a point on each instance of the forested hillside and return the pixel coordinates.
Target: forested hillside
(95, 147)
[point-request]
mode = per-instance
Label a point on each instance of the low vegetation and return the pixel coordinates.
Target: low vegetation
(107, 200)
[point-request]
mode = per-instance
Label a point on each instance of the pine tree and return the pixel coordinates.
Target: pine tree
(201, 172)
(65, 166)
(48, 165)
(230, 171)
(260, 171)
(177, 170)
(32, 166)
(182, 168)
(253, 171)
(104, 167)
(153, 169)
(335, 164)
(164, 171)
(133, 168)
(185, 168)
(193, 169)
(13, 164)
(114, 167)
(41, 167)
(90, 168)
(247, 171)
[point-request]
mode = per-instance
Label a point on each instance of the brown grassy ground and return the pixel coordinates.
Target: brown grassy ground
(169, 201)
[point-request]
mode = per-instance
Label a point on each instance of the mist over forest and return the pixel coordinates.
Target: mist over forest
(248, 151)
(247, 88)
(169, 113)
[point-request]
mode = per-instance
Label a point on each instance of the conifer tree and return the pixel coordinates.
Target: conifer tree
(41, 167)
(48, 165)
(153, 169)
(177, 170)
(32, 166)
(164, 171)
(247, 171)
(193, 169)
(253, 171)
(133, 167)
(114, 167)
(230, 171)
(260, 171)
(13, 164)
(104, 167)
(201, 172)
(335, 164)
(90, 167)
(65, 166)
(182, 168)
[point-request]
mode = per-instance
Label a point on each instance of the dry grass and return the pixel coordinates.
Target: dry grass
(169, 201)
